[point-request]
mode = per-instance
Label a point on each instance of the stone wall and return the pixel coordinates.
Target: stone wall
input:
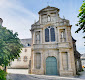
(21, 63)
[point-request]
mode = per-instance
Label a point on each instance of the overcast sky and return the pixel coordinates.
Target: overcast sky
(18, 15)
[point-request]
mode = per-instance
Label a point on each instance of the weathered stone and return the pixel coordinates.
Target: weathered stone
(61, 48)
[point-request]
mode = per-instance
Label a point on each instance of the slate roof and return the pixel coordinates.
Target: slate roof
(83, 55)
(73, 39)
(1, 19)
(26, 42)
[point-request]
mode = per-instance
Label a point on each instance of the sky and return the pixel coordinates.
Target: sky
(19, 15)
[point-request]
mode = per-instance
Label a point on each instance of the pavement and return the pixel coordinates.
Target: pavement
(82, 75)
(22, 76)
(37, 77)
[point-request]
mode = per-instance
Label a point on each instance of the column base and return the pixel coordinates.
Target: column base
(66, 73)
(37, 71)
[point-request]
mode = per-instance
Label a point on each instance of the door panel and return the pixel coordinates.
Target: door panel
(51, 66)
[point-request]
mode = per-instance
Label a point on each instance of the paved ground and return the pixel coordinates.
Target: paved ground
(82, 75)
(37, 77)
(19, 77)
(23, 75)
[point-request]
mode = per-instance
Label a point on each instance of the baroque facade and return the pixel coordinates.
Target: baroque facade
(52, 47)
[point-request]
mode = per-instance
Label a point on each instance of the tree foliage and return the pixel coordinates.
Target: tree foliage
(81, 16)
(3, 75)
(10, 46)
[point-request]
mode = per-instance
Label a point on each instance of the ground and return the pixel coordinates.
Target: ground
(82, 75)
(22, 74)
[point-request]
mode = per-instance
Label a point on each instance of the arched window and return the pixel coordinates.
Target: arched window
(49, 34)
(52, 32)
(46, 35)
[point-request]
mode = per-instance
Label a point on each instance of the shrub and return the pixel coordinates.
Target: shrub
(3, 75)
(82, 69)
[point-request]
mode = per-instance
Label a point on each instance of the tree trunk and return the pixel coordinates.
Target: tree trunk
(5, 68)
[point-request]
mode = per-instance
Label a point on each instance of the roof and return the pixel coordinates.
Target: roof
(77, 54)
(48, 8)
(83, 55)
(26, 42)
(73, 39)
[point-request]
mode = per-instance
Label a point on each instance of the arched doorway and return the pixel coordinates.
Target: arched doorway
(51, 66)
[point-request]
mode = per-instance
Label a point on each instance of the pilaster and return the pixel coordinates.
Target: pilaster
(61, 66)
(69, 62)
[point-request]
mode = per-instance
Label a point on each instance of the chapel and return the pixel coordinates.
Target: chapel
(52, 50)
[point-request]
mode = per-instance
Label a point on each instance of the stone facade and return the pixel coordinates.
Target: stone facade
(77, 56)
(24, 60)
(51, 38)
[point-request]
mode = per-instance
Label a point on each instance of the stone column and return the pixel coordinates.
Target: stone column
(60, 56)
(33, 60)
(41, 61)
(66, 35)
(58, 35)
(69, 62)
(33, 37)
(41, 37)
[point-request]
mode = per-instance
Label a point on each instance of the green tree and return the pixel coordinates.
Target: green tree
(3, 75)
(81, 16)
(10, 46)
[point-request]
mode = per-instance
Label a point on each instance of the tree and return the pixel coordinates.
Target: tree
(81, 16)
(10, 46)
